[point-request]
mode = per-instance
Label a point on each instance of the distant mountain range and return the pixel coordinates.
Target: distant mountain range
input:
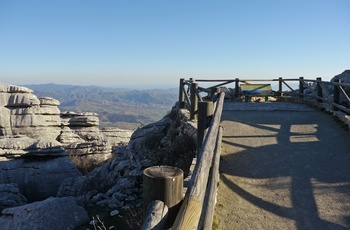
(118, 107)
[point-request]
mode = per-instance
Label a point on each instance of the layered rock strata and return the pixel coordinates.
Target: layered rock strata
(36, 139)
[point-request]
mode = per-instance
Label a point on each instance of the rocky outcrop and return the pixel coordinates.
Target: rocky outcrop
(116, 136)
(37, 177)
(344, 77)
(22, 113)
(10, 196)
(170, 141)
(36, 139)
(81, 136)
(52, 213)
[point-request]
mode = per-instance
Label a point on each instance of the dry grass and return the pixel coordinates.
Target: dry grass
(84, 163)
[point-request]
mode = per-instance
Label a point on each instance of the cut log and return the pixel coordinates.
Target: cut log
(163, 183)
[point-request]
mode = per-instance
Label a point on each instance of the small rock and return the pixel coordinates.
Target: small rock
(114, 213)
(93, 222)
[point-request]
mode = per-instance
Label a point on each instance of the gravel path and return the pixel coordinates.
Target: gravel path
(282, 168)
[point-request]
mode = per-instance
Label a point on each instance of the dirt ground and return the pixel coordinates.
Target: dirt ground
(283, 170)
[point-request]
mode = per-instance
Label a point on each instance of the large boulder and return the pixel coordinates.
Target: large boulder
(37, 177)
(52, 213)
(344, 77)
(10, 196)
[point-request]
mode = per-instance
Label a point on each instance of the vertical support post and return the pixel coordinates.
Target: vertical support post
(280, 86)
(213, 92)
(319, 89)
(336, 98)
(237, 88)
(301, 87)
(182, 94)
(205, 112)
(194, 101)
(164, 183)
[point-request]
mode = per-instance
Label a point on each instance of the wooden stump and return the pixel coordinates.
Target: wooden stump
(163, 183)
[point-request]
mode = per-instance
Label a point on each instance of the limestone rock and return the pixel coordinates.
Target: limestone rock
(79, 119)
(344, 77)
(36, 139)
(6, 88)
(10, 196)
(37, 177)
(52, 213)
(18, 146)
(49, 101)
(116, 136)
(22, 113)
(170, 141)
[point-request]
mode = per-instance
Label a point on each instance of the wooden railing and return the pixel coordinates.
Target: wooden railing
(198, 206)
(321, 91)
(197, 209)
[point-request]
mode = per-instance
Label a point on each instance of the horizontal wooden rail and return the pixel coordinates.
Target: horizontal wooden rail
(190, 212)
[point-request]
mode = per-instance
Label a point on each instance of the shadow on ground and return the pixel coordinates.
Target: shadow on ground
(308, 148)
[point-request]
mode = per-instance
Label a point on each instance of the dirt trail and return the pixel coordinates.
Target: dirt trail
(283, 169)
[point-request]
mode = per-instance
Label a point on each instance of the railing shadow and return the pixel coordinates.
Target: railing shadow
(310, 150)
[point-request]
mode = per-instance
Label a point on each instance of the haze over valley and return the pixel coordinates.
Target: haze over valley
(116, 107)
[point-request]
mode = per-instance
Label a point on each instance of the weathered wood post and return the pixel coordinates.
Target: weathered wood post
(205, 112)
(236, 88)
(164, 183)
(194, 101)
(157, 215)
(301, 87)
(213, 92)
(319, 89)
(182, 94)
(280, 86)
(336, 98)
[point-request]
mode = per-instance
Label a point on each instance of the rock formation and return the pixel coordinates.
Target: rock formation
(52, 213)
(344, 77)
(36, 139)
(118, 183)
(10, 196)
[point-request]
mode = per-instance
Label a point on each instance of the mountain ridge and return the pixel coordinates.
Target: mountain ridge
(116, 107)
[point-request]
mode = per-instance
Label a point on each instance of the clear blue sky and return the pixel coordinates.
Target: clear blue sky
(124, 42)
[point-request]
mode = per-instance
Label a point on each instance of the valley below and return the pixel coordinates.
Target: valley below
(116, 107)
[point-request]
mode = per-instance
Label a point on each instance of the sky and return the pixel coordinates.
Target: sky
(154, 43)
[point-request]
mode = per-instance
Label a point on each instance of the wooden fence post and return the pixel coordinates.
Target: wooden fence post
(336, 98)
(182, 94)
(205, 111)
(301, 87)
(280, 86)
(319, 89)
(213, 92)
(236, 88)
(194, 101)
(164, 183)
